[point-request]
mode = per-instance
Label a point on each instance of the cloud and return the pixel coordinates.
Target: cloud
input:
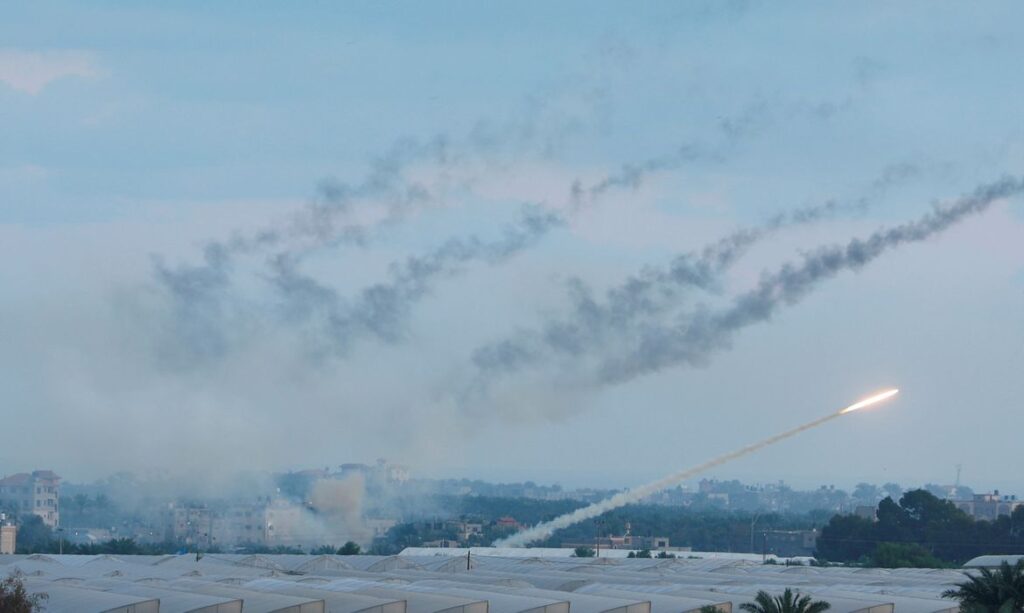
(31, 71)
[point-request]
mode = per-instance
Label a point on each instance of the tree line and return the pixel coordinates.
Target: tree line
(920, 530)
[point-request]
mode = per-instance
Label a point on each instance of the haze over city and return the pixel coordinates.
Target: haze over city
(580, 243)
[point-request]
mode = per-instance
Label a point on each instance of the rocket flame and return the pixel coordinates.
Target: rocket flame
(870, 401)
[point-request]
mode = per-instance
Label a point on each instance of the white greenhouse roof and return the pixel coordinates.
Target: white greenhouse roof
(437, 581)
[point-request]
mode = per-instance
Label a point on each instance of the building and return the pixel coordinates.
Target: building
(464, 530)
(269, 522)
(865, 512)
(381, 473)
(630, 541)
(189, 525)
(37, 493)
(380, 526)
(989, 506)
(8, 536)
(507, 523)
(790, 543)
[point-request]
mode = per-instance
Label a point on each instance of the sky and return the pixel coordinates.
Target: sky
(589, 243)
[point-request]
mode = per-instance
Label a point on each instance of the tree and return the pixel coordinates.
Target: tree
(81, 502)
(788, 602)
(102, 502)
(583, 552)
(643, 553)
(846, 538)
(892, 490)
(33, 535)
(14, 598)
(866, 494)
(350, 549)
(996, 591)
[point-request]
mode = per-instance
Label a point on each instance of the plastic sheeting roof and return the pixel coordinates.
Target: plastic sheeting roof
(418, 581)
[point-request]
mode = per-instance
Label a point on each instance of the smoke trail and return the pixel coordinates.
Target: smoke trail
(693, 341)
(381, 310)
(546, 529)
(634, 312)
(648, 294)
(632, 175)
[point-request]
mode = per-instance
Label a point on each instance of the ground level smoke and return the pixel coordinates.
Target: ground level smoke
(546, 529)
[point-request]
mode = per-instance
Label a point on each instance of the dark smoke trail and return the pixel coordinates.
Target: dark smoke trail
(693, 341)
(633, 314)
(382, 309)
(650, 293)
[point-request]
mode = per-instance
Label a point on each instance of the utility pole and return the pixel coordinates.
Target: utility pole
(752, 523)
(764, 547)
(469, 552)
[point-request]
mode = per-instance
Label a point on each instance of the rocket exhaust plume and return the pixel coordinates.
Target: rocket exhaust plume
(546, 529)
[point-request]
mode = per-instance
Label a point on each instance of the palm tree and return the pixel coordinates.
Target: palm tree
(788, 602)
(996, 591)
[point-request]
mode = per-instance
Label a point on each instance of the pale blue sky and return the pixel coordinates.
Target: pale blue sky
(129, 131)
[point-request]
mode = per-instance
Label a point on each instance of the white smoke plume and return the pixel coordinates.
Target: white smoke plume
(546, 529)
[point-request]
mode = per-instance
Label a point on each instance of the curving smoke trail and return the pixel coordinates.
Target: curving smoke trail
(382, 309)
(704, 333)
(633, 314)
(202, 297)
(655, 291)
(546, 529)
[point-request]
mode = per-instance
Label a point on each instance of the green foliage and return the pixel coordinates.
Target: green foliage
(323, 550)
(584, 552)
(788, 602)
(14, 598)
(665, 555)
(643, 553)
(350, 549)
(709, 608)
(992, 591)
(33, 534)
(903, 555)
(946, 533)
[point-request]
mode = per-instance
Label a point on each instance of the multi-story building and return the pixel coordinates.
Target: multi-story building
(189, 525)
(269, 522)
(8, 536)
(989, 506)
(37, 493)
